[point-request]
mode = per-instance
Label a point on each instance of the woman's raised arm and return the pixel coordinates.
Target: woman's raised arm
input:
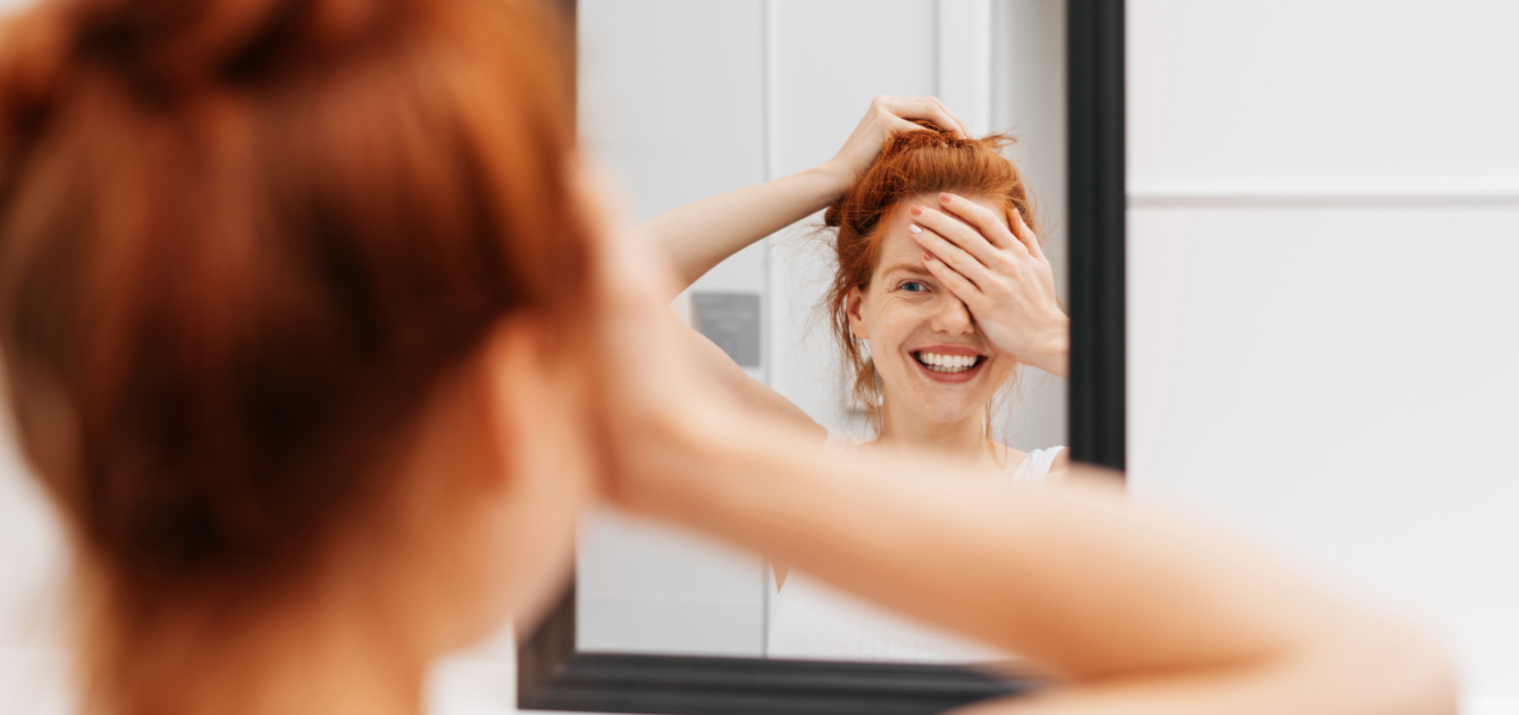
(1133, 610)
(696, 237)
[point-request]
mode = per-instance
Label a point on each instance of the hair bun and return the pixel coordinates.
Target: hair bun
(173, 45)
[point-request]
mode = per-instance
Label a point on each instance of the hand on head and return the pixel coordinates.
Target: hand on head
(999, 271)
(888, 116)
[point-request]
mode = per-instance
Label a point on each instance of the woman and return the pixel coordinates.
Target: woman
(315, 343)
(951, 292)
(263, 265)
(936, 301)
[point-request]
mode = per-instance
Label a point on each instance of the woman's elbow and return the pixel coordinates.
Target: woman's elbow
(1385, 667)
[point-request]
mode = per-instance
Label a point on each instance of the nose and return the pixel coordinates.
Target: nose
(953, 318)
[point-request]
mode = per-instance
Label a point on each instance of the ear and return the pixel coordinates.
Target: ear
(512, 389)
(854, 306)
(541, 468)
(536, 404)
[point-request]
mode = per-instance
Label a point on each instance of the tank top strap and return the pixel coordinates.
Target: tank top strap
(1036, 466)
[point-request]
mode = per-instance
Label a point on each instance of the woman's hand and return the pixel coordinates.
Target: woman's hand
(1001, 275)
(885, 116)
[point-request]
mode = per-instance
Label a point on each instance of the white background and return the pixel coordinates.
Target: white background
(1323, 304)
(1325, 212)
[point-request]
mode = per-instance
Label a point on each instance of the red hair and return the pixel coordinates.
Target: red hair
(911, 164)
(239, 244)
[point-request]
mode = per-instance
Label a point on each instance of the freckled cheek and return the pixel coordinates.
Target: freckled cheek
(896, 323)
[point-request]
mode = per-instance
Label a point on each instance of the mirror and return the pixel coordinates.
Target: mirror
(684, 100)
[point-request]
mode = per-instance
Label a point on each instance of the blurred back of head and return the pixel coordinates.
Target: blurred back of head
(239, 242)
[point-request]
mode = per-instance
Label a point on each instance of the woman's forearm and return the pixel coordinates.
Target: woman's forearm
(719, 370)
(696, 237)
(1096, 590)
(1077, 582)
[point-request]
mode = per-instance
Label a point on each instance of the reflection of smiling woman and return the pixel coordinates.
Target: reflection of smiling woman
(931, 340)
(941, 292)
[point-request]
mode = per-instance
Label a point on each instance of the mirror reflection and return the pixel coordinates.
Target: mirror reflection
(863, 205)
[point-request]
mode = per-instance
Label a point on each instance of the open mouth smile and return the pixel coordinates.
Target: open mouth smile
(946, 367)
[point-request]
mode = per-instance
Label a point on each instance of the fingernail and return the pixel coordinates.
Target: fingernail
(916, 210)
(927, 256)
(946, 198)
(914, 228)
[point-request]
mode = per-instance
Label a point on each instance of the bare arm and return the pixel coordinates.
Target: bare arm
(720, 370)
(696, 237)
(1138, 611)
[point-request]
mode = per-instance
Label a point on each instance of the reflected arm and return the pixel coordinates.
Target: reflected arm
(719, 370)
(696, 237)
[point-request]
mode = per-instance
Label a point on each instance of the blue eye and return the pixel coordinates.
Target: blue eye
(914, 287)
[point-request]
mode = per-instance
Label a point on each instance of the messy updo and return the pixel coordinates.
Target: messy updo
(240, 241)
(912, 163)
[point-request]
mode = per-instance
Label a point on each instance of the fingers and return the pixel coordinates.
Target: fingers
(929, 108)
(945, 251)
(959, 285)
(991, 227)
(1024, 233)
(895, 123)
(957, 232)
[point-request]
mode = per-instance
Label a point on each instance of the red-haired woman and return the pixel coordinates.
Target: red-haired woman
(941, 291)
(315, 338)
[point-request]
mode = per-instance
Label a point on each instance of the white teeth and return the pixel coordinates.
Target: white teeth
(946, 363)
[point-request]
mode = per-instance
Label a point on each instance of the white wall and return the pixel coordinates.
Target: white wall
(672, 100)
(685, 99)
(33, 644)
(1323, 229)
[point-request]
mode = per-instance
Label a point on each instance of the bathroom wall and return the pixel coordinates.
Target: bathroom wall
(1323, 304)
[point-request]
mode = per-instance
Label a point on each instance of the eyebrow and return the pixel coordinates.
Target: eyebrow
(915, 269)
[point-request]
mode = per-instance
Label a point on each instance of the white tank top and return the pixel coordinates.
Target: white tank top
(810, 620)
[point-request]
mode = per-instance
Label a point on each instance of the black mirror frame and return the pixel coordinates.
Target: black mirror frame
(552, 675)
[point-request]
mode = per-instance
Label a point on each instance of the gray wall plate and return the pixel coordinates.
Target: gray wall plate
(732, 320)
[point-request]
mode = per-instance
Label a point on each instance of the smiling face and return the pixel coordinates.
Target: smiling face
(934, 363)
